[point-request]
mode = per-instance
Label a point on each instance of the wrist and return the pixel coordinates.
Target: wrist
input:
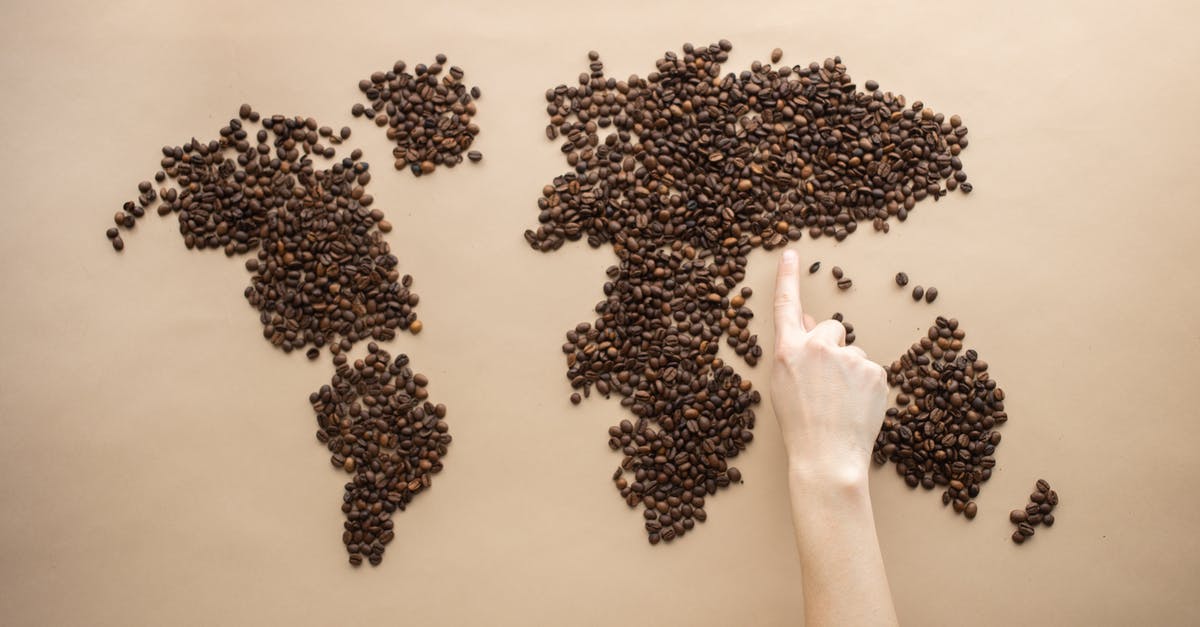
(835, 479)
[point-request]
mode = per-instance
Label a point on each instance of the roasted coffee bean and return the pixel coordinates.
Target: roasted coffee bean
(941, 430)
(313, 353)
(1018, 537)
(838, 272)
(816, 265)
(1017, 516)
(1042, 485)
(844, 284)
(427, 115)
(776, 55)
(685, 171)
(901, 279)
(1048, 520)
(735, 475)
(576, 398)
(918, 292)
(390, 439)
(118, 244)
(1026, 529)
(112, 233)
(931, 294)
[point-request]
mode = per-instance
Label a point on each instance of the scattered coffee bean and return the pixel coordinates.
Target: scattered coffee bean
(776, 55)
(918, 292)
(376, 419)
(942, 430)
(1041, 502)
(901, 279)
(844, 284)
(838, 272)
(112, 233)
(931, 294)
(428, 115)
(685, 171)
(816, 265)
(313, 353)
(118, 243)
(475, 155)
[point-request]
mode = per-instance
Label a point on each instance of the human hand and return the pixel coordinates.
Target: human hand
(829, 398)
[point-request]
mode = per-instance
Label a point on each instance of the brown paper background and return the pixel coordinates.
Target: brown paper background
(158, 465)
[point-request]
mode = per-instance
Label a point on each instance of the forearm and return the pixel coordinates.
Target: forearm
(843, 575)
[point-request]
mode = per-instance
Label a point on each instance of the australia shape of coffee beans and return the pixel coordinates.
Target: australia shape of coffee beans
(683, 172)
(323, 276)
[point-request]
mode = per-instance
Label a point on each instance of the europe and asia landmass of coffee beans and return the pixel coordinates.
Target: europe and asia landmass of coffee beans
(684, 172)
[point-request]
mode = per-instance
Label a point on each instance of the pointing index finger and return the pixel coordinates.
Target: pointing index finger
(788, 311)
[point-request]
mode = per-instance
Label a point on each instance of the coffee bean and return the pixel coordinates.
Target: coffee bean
(1026, 529)
(415, 326)
(576, 398)
(816, 265)
(735, 475)
(313, 353)
(118, 243)
(970, 510)
(776, 55)
(837, 272)
(844, 284)
(918, 292)
(1048, 520)
(931, 294)
(112, 233)
(1018, 537)
(1017, 516)
(1042, 486)
(475, 155)
(901, 279)
(784, 150)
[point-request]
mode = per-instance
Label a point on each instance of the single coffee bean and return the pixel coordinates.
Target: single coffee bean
(118, 244)
(1018, 537)
(970, 510)
(901, 279)
(1048, 520)
(816, 265)
(931, 294)
(837, 272)
(1026, 529)
(871, 85)
(1042, 486)
(576, 398)
(844, 284)
(312, 353)
(735, 475)
(415, 326)
(475, 155)
(1017, 516)
(112, 233)
(776, 55)
(918, 292)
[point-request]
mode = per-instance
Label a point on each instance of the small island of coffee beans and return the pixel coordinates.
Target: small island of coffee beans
(684, 172)
(1039, 511)
(942, 430)
(427, 115)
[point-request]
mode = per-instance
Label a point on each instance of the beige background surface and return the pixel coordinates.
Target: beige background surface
(158, 465)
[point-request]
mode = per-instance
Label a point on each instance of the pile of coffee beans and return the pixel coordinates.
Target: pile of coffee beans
(1039, 511)
(376, 418)
(321, 274)
(684, 172)
(427, 115)
(942, 430)
(321, 271)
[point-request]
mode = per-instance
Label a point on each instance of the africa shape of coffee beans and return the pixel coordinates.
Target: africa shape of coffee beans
(942, 430)
(376, 419)
(321, 271)
(427, 115)
(684, 172)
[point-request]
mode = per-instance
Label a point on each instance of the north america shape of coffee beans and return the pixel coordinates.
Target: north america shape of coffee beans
(684, 172)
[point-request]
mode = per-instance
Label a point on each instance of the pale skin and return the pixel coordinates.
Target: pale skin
(829, 399)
